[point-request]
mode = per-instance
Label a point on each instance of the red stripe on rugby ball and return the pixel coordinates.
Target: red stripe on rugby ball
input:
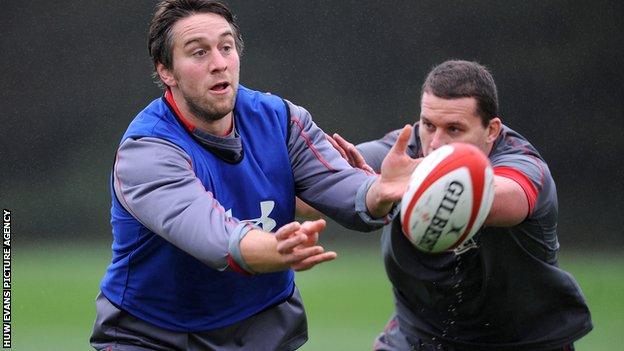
(477, 165)
(463, 155)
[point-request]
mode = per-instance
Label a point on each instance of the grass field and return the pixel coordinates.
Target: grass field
(348, 301)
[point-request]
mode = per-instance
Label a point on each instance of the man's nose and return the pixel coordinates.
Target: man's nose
(437, 140)
(218, 62)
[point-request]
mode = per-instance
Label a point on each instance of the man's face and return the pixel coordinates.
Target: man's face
(444, 121)
(206, 65)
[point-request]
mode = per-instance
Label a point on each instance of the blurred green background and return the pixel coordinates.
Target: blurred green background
(348, 301)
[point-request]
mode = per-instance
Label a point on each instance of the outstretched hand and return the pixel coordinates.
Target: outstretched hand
(296, 243)
(396, 170)
(397, 167)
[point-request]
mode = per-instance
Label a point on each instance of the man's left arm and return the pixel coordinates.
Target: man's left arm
(518, 180)
(510, 206)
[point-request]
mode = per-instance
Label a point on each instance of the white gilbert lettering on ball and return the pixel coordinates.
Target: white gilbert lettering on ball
(264, 221)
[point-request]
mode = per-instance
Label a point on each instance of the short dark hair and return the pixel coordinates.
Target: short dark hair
(456, 79)
(168, 12)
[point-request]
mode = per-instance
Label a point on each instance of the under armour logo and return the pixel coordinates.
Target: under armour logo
(264, 221)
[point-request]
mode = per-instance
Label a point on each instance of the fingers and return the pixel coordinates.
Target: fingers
(314, 260)
(348, 148)
(289, 236)
(336, 146)
(310, 227)
(400, 146)
(360, 162)
(288, 245)
(287, 230)
(356, 156)
(312, 230)
(296, 243)
(302, 253)
(353, 156)
(293, 234)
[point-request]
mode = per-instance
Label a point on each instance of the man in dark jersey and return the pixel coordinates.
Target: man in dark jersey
(502, 290)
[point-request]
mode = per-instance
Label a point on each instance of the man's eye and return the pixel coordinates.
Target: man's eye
(199, 53)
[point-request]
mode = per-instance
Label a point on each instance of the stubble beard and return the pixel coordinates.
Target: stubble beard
(207, 111)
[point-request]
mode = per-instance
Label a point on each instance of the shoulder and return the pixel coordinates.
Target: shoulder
(510, 143)
(513, 150)
(155, 119)
(514, 157)
(248, 98)
(256, 105)
(261, 114)
(146, 159)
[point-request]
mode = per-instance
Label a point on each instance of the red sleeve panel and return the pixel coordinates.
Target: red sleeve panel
(527, 185)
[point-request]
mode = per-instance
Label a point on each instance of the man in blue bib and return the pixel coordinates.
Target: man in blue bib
(203, 200)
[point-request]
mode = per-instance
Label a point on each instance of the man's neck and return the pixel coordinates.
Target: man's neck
(221, 127)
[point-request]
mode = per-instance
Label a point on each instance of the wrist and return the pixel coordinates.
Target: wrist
(378, 202)
(259, 252)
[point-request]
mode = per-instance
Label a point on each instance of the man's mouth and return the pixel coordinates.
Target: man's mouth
(220, 86)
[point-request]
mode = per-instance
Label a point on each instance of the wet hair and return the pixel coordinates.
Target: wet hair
(167, 13)
(457, 79)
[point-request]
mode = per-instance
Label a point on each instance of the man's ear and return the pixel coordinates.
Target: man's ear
(166, 75)
(494, 128)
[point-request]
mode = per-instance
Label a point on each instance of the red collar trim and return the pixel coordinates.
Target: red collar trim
(187, 124)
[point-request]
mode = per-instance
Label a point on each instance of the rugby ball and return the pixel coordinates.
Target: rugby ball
(448, 198)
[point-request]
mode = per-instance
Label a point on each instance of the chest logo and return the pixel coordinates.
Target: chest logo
(264, 221)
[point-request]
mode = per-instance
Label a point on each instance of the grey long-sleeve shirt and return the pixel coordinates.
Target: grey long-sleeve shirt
(153, 181)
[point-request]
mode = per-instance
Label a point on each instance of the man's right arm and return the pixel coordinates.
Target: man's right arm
(155, 182)
(354, 198)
